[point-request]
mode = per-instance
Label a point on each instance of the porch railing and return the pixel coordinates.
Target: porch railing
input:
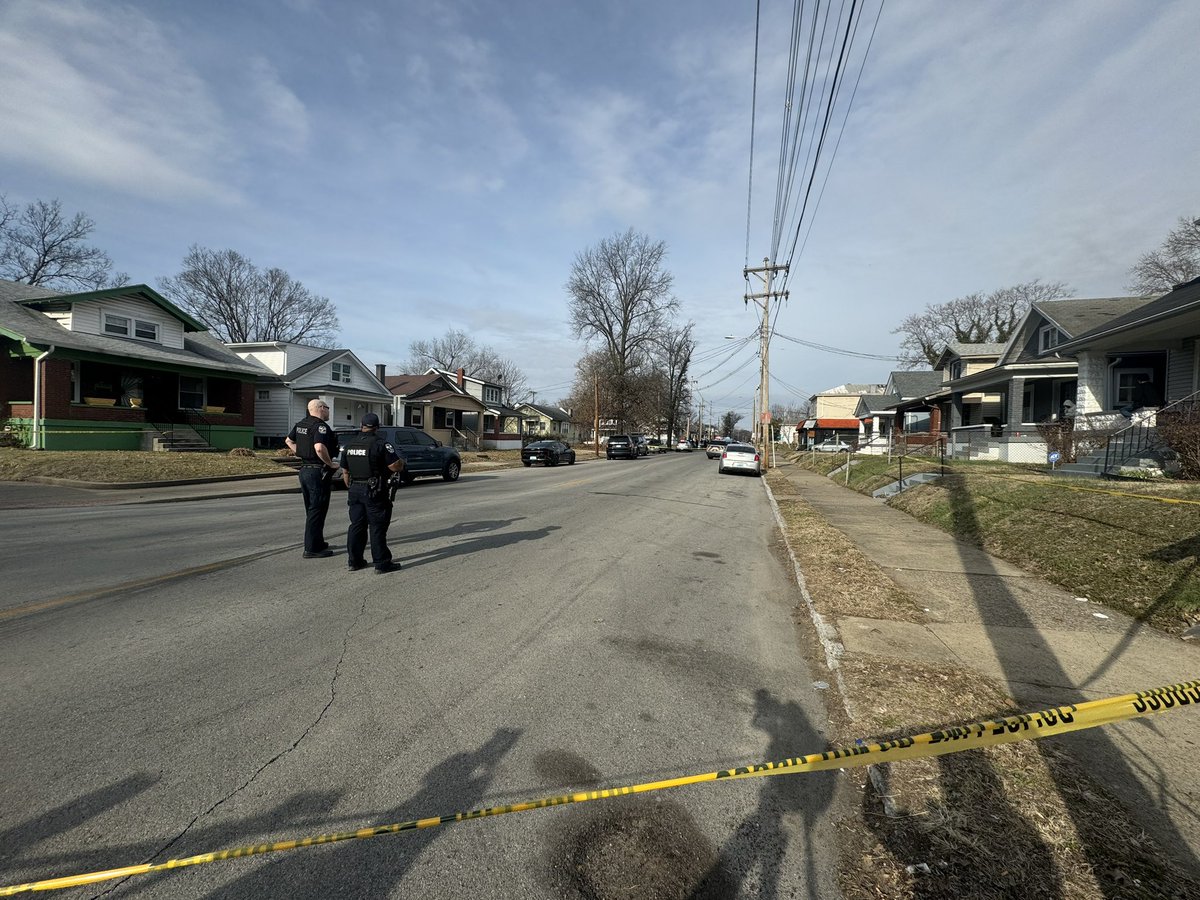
(1141, 435)
(196, 420)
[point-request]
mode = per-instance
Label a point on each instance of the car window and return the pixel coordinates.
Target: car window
(739, 448)
(420, 437)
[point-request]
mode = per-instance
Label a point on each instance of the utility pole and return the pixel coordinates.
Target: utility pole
(596, 420)
(765, 273)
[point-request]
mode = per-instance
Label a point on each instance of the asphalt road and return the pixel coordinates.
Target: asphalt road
(178, 680)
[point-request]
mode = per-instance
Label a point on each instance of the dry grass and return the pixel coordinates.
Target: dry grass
(117, 466)
(1020, 820)
(1114, 542)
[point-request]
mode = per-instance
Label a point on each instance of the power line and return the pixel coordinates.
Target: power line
(839, 351)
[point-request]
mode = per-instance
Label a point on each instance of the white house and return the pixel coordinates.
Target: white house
(294, 374)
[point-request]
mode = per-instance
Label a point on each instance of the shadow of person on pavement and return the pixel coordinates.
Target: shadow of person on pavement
(759, 842)
(456, 530)
(376, 866)
(16, 839)
(475, 545)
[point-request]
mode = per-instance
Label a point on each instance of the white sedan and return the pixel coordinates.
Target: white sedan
(740, 458)
(833, 446)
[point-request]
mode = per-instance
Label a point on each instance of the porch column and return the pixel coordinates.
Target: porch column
(1090, 391)
(1016, 402)
(956, 411)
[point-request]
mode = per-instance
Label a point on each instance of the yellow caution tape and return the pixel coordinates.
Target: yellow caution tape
(1047, 722)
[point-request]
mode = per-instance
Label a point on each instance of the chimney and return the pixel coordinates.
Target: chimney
(380, 370)
(461, 374)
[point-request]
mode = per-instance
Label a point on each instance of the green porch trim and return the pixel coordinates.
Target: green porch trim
(72, 434)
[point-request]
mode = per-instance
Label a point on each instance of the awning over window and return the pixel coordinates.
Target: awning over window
(837, 423)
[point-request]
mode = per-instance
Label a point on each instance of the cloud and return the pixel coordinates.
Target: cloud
(102, 97)
(282, 116)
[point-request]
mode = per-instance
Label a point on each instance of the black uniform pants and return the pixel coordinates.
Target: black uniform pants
(314, 486)
(372, 514)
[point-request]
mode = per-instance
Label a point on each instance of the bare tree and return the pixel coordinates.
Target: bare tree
(621, 296)
(1176, 261)
(974, 319)
(240, 303)
(677, 346)
(40, 245)
(456, 349)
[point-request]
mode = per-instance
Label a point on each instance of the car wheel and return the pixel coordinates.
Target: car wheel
(528, 464)
(452, 471)
(554, 460)
(408, 477)
(571, 460)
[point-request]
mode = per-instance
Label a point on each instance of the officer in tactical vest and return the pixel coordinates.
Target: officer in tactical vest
(367, 461)
(316, 444)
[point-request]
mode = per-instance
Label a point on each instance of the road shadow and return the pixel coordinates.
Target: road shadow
(759, 842)
(375, 867)
(475, 545)
(1001, 611)
(457, 530)
(15, 839)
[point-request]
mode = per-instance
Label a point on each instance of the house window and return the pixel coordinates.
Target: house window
(1049, 337)
(123, 326)
(264, 395)
(74, 381)
(448, 418)
(191, 392)
(341, 373)
(1127, 380)
(416, 416)
(491, 395)
(118, 325)
(956, 370)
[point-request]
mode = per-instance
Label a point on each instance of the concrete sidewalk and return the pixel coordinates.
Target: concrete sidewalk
(1046, 646)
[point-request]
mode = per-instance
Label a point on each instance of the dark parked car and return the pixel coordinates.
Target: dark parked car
(549, 453)
(623, 446)
(423, 455)
(643, 445)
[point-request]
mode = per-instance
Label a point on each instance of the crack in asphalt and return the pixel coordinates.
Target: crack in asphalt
(337, 670)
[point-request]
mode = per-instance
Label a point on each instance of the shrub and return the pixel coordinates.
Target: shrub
(1180, 430)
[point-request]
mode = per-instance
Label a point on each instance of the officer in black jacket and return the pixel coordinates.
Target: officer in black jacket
(367, 461)
(316, 444)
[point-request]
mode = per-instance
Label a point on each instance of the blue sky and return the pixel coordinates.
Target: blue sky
(430, 165)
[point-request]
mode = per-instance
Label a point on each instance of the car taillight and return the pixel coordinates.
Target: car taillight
(756, 459)
(724, 455)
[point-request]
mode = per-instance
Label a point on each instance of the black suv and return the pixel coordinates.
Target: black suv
(423, 455)
(622, 445)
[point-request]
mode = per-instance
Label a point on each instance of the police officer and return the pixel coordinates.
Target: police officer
(316, 444)
(367, 460)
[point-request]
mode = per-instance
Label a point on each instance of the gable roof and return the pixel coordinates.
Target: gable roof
(870, 404)
(553, 413)
(909, 384)
(21, 322)
(37, 297)
(408, 385)
(1184, 298)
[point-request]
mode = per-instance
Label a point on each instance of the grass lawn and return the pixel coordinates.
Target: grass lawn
(1022, 820)
(117, 466)
(1134, 546)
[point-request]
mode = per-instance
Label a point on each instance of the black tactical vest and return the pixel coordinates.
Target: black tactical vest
(305, 429)
(359, 450)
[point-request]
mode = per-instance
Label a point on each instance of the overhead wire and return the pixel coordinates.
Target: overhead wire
(839, 351)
